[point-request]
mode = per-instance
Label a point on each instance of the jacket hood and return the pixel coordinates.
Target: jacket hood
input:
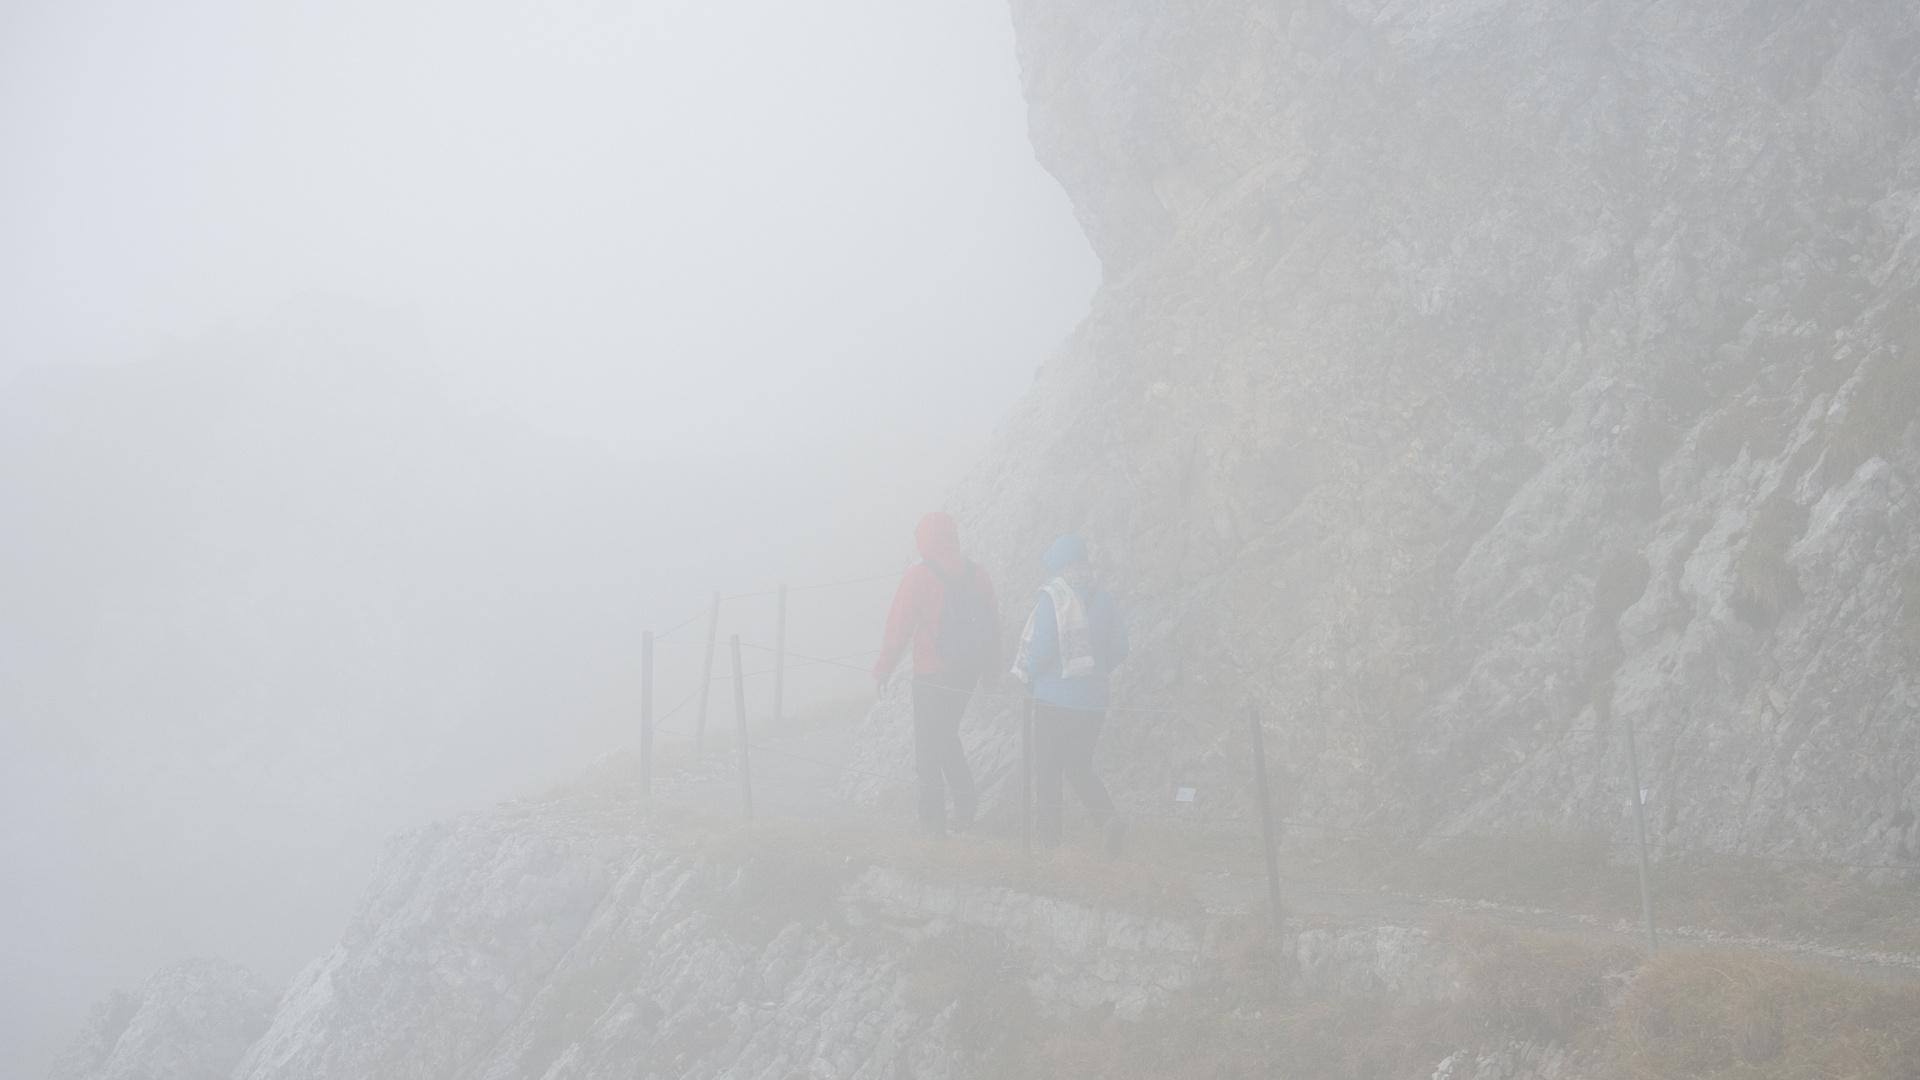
(1065, 552)
(938, 539)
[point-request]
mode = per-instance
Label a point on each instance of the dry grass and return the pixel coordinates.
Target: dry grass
(1704, 1015)
(1724, 1016)
(1520, 985)
(1743, 897)
(1537, 985)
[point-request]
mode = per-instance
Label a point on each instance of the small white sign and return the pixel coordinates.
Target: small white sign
(1185, 794)
(1643, 796)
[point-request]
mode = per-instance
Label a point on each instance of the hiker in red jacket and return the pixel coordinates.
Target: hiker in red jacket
(946, 608)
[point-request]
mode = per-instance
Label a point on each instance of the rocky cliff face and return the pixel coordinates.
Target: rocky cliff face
(1474, 380)
(584, 938)
(191, 1021)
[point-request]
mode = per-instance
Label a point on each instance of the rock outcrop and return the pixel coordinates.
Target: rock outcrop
(191, 1021)
(590, 937)
(579, 940)
(1471, 382)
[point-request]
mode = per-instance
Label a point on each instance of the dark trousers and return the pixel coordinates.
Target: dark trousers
(939, 701)
(1063, 744)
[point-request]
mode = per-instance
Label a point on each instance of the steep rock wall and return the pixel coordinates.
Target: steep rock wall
(1472, 380)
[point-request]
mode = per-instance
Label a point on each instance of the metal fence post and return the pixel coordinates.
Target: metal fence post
(1266, 820)
(1640, 835)
(740, 727)
(646, 713)
(1026, 771)
(780, 656)
(706, 679)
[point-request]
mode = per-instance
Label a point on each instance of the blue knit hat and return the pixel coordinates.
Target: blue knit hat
(1065, 551)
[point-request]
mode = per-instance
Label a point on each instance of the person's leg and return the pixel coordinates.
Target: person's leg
(1083, 728)
(928, 714)
(1093, 793)
(1050, 725)
(953, 755)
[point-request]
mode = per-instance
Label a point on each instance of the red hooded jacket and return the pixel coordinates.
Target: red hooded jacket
(916, 603)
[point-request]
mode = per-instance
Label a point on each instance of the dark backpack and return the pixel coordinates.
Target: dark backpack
(966, 638)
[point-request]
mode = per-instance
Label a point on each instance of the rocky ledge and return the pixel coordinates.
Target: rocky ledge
(577, 939)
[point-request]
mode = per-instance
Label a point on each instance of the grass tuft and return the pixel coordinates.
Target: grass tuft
(1721, 1016)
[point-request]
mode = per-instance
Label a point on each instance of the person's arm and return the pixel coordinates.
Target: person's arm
(902, 617)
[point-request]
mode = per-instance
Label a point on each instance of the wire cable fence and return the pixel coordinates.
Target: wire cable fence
(783, 659)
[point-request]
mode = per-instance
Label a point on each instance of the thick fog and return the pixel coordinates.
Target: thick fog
(371, 376)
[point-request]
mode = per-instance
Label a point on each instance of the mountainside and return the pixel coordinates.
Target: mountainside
(598, 933)
(590, 934)
(191, 1021)
(1472, 380)
(1472, 383)
(587, 935)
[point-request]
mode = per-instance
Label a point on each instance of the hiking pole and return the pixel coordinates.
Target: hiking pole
(706, 679)
(1266, 820)
(646, 713)
(740, 726)
(1026, 771)
(1640, 835)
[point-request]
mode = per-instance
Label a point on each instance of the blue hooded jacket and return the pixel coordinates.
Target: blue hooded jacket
(1103, 619)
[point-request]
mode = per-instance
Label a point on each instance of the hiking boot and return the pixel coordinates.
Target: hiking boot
(1116, 836)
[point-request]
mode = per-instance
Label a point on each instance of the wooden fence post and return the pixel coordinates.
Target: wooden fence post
(1266, 821)
(706, 679)
(780, 655)
(740, 727)
(646, 713)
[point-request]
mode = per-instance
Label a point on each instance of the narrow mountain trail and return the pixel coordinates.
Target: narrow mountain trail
(796, 776)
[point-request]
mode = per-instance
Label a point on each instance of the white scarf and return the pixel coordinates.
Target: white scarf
(1070, 619)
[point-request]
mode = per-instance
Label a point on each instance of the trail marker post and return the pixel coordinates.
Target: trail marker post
(646, 713)
(740, 729)
(706, 679)
(1266, 820)
(780, 655)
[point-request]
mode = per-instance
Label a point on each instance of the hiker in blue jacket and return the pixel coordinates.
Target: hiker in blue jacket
(1074, 637)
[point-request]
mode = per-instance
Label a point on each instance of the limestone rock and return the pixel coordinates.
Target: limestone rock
(191, 1021)
(1471, 381)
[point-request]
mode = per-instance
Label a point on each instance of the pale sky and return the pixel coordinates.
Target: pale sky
(798, 256)
(659, 223)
